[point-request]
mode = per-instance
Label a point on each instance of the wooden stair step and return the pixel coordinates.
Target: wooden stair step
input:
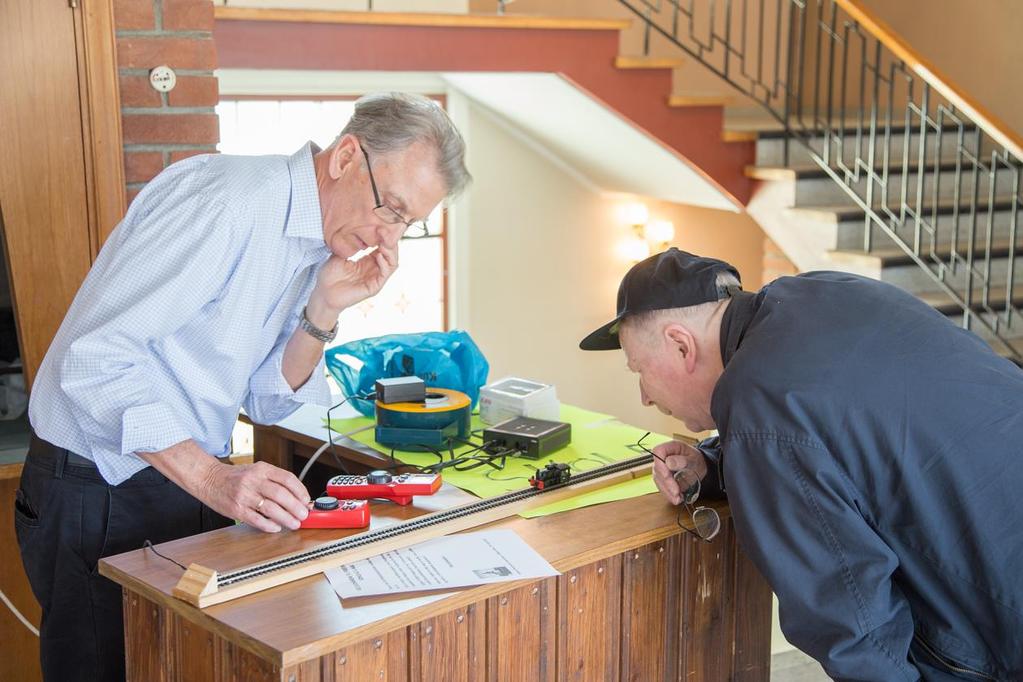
(940, 302)
(699, 101)
(641, 62)
(853, 212)
(772, 129)
(894, 256)
(814, 171)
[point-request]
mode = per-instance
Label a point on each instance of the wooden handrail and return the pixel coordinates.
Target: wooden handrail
(418, 19)
(988, 122)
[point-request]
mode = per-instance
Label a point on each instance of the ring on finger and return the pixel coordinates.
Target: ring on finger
(260, 505)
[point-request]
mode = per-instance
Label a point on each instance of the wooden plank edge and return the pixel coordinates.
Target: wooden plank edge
(680, 101)
(769, 173)
(738, 135)
(639, 62)
(420, 19)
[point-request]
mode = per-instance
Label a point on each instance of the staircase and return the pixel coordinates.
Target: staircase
(873, 162)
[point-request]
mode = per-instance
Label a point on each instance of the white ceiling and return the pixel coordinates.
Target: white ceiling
(608, 151)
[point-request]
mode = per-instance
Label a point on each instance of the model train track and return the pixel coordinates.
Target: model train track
(202, 586)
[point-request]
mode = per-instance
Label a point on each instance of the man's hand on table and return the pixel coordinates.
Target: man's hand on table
(675, 456)
(261, 495)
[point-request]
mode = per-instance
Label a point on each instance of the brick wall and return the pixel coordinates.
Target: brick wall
(776, 263)
(161, 128)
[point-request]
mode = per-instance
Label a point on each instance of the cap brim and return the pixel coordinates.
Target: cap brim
(604, 338)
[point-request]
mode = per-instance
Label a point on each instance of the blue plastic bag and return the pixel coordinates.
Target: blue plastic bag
(441, 359)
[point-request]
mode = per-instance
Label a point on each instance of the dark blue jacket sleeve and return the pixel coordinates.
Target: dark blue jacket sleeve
(798, 517)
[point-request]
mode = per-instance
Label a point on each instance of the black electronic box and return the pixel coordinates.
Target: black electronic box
(534, 438)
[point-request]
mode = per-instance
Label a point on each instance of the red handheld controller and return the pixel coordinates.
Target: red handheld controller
(329, 512)
(399, 488)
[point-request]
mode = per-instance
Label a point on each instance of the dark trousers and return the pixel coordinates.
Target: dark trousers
(66, 518)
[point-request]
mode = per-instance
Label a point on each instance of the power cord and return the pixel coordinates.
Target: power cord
(330, 439)
(17, 613)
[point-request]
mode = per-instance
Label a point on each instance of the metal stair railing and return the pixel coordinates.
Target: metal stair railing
(930, 169)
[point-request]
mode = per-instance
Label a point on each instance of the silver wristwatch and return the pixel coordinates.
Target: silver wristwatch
(321, 335)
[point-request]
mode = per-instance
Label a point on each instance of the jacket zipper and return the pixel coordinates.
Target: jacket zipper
(948, 664)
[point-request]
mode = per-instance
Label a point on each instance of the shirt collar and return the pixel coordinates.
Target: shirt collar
(305, 219)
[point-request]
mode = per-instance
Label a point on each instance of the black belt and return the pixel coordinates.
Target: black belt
(44, 451)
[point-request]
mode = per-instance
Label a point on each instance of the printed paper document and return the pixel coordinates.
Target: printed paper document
(442, 563)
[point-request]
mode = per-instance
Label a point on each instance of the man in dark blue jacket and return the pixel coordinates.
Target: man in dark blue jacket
(872, 454)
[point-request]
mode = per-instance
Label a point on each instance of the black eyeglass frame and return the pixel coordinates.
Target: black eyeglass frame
(689, 497)
(414, 229)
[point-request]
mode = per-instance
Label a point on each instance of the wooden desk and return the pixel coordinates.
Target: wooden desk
(638, 600)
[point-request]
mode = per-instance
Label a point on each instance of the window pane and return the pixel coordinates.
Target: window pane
(411, 301)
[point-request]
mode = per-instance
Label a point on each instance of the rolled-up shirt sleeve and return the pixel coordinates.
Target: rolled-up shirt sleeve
(169, 260)
(271, 398)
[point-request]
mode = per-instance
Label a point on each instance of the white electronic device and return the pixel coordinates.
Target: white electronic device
(514, 397)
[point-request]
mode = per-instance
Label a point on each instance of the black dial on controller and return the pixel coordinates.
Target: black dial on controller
(326, 503)
(378, 477)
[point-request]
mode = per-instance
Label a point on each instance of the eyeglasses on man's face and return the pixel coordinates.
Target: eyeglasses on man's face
(414, 229)
(706, 521)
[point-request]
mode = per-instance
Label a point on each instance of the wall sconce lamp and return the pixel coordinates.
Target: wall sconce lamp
(647, 235)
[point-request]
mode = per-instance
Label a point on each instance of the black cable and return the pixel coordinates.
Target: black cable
(149, 544)
(330, 432)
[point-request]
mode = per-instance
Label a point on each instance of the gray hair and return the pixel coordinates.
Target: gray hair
(392, 121)
(646, 320)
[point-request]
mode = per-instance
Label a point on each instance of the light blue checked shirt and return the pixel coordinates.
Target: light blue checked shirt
(184, 316)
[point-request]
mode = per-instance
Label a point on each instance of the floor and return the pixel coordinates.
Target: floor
(795, 666)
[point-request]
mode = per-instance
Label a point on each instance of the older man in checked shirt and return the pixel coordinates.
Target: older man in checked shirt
(217, 291)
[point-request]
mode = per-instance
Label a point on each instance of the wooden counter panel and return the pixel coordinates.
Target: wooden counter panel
(650, 611)
(589, 616)
(146, 650)
(450, 646)
(383, 659)
(521, 629)
(706, 605)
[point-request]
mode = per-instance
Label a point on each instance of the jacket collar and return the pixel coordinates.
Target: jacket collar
(736, 320)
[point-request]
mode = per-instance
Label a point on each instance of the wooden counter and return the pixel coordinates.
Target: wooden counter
(639, 599)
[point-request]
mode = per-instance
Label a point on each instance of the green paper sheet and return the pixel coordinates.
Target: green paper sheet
(597, 440)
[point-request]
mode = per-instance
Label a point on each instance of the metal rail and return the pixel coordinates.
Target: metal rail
(420, 523)
(933, 174)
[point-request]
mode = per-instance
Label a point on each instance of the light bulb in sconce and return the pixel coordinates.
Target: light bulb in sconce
(635, 213)
(659, 232)
(634, 249)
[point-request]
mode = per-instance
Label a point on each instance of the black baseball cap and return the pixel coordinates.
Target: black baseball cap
(672, 279)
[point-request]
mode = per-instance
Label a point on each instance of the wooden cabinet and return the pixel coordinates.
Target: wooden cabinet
(61, 193)
(62, 177)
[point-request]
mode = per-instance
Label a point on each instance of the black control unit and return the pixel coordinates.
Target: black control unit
(534, 438)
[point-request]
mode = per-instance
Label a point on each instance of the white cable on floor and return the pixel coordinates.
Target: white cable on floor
(16, 612)
(326, 445)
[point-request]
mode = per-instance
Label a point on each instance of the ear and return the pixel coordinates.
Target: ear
(342, 155)
(684, 342)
